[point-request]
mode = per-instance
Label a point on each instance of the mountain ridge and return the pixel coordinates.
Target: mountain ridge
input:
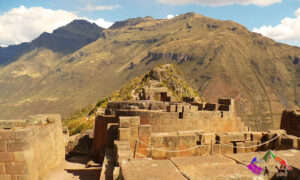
(66, 39)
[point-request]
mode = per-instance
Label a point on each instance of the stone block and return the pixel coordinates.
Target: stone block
(134, 131)
(170, 141)
(155, 128)
(20, 177)
(236, 136)
(187, 141)
(210, 107)
(144, 121)
(21, 134)
(256, 136)
(124, 134)
(151, 121)
(4, 135)
(208, 138)
(3, 146)
(247, 136)
(225, 101)
(5, 177)
(199, 105)
(19, 156)
(165, 121)
(186, 108)
(240, 147)
(15, 167)
(145, 130)
(203, 150)
(223, 107)
(227, 149)
(289, 142)
(157, 154)
(158, 121)
(123, 155)
(156, 141)
(171, 154)
(134, 120)
(194, 108)
(17, 145)
(2, 168)
(171, 108)
(144, 142)
(142, 152)
(278, 131)
(179, 108)
(222, 138)
(124, 122)
(217, 148)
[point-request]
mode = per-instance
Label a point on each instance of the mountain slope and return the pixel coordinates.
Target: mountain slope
(219, 58)
(66, 39)
(167, 75)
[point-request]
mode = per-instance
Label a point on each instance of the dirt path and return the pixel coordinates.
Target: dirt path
(74, 169)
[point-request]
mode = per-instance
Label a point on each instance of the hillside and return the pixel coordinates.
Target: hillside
(65, 40)
(219, 59)
(167, 75)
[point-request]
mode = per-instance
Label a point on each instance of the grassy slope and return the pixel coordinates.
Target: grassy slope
(220, 58)
(169, 76)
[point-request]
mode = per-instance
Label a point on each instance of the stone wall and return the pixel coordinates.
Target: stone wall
(290, 121)
(167, 145)
(101, 135)
(29, 152)
(207, 121)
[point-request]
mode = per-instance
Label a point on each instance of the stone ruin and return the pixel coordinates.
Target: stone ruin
(290, 122)
(139, 139)
(29, 148)
(156, 127)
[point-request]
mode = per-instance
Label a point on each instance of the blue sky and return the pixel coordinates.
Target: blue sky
(278, 19)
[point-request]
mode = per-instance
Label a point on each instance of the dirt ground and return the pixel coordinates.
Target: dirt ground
(74, 169)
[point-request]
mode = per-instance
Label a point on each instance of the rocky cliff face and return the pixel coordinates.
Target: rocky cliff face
(218, 58)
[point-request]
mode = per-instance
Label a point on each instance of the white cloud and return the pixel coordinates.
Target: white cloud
(90, 7)
(220, 2)
(288, 31)
(24, 24)
(170, 16)
(101, 22)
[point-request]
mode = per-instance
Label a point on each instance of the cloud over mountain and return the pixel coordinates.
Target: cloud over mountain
(24, 24)
(287, 31)
(220, 2)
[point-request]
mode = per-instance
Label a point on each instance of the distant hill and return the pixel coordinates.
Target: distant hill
(66, 39)
(218, 58)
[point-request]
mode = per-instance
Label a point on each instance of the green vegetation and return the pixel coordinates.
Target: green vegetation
(83, 119)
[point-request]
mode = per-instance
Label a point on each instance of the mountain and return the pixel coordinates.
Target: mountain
(218, 58)
(166, 76)
(66, 39)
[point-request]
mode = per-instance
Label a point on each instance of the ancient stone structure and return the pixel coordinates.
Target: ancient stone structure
(30, 148)
(158, 128)
(290, 121)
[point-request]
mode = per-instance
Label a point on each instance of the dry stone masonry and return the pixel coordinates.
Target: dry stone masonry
(30, 148)
(157, 127)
